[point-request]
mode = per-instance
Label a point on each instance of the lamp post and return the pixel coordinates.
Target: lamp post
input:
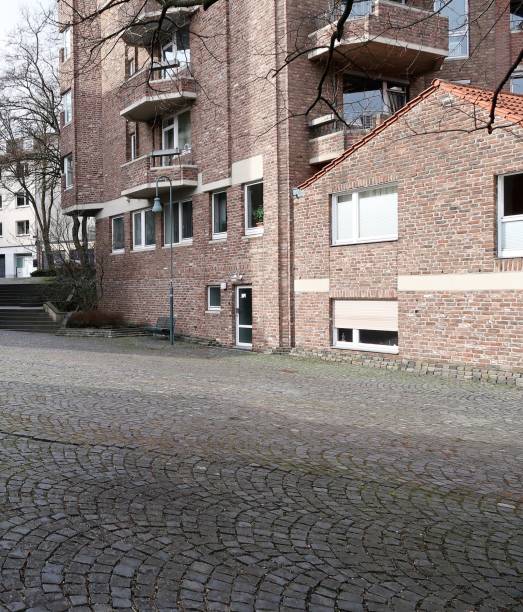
(157, 208)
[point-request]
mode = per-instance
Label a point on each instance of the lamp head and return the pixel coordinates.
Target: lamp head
(157, 205)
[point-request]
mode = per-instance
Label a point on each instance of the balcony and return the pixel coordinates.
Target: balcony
(154, 92)
(143, 22)
(384, 37)
(330, 137)
(139, 176)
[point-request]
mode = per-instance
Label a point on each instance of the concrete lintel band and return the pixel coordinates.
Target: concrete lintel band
(311, 285)
(482, 281)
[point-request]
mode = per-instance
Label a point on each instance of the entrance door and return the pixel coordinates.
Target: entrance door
(2, 266)
(244, 317)
(24, 266)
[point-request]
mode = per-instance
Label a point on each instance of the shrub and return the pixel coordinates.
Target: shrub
(95, 318)
(37, 273)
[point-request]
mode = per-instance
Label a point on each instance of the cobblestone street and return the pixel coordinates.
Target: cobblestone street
(136, 477)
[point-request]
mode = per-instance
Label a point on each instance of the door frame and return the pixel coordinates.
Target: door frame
(237, 325)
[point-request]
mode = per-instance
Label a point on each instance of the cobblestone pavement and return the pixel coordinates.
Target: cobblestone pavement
(134, 476)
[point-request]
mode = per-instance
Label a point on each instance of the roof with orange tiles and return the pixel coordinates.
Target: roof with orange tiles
(509, 106)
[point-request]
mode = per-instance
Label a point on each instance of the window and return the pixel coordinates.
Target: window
(133, 146)
(510, 215)
(21, 199)
(457, 13)
(516, 83)
(516, 15)
(366, 325)
(144, 229)
(254, 213)
(22, 228)
(66, 44)
(176, 54)
(176, 134)
(181, 230)
(365, 216)
(67, 105)
(366, 102)
(1, 201)
(1, 230)
(214, 298)
(219, 215)
(68, 171)
(118, 235)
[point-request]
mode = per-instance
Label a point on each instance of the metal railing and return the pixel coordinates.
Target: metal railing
(171, 157)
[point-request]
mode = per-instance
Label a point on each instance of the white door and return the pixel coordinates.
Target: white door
(24, 266)
(244, 317)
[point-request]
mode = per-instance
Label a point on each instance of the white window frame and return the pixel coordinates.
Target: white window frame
(213, 308)
(68, 172)
(28, 233)
(142, 246)
(504, 220)
(66, 43)
(356, 345)
(517, 76)
(67, 105)
(180, 240)
(356, 217)
(22, 194)
(461, 32)
(133, 146)
(252, 231)
(171, 123)
(113, 219)
(218, 235)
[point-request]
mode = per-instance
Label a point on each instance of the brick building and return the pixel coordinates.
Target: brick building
(411, 242)
(206, 107)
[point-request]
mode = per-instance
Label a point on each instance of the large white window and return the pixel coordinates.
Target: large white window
(67, 105)
(144, 229)
(365, 216)
(219, 215)
(118, 235)
(457, 12)
(176, 54)
(510, 215)
(68, 171)
(214, 297)
(66, 43)
(176, 135)
(516, 83)
(254, 211)
(366, 325)
(516, 15)
(180, 230)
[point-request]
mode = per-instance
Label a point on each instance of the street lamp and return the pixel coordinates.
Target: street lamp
(157, 208)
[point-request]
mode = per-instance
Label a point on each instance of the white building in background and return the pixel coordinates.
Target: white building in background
(18, 243)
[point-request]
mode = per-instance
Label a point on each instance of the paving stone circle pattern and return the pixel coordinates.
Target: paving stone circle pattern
(134, 476)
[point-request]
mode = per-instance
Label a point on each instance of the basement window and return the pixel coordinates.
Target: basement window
(510, 215)
(366, 325)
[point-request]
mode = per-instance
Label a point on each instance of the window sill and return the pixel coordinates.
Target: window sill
(510, 255)
(141, 249)
(118, 252)
(176, 245)
(218, 238)
(68, 188)
(213, 311)
(366, 241)
(461, 57)
(254, 233)
(368, 348)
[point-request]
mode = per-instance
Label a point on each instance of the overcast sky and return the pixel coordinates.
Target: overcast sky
(10, 14)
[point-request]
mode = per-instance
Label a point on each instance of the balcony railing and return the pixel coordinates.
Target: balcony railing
(139, 176)
(140, 22)
(384, 36)
(156, 91)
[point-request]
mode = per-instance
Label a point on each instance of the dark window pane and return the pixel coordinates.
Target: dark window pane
(214, 297)
(171, 231)
(255, 205)
(344, 335)
(516, 14)
(372, 336)
(220, 213)
(137, 229)
(513, 194)
(187, 220)
(245, 335)
(245, 307)
(149, 228)
(118, 234)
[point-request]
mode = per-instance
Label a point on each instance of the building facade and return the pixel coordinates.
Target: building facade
(199, 102)
(419, 261)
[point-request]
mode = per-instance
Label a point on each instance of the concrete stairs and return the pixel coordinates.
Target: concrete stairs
(21, 308)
